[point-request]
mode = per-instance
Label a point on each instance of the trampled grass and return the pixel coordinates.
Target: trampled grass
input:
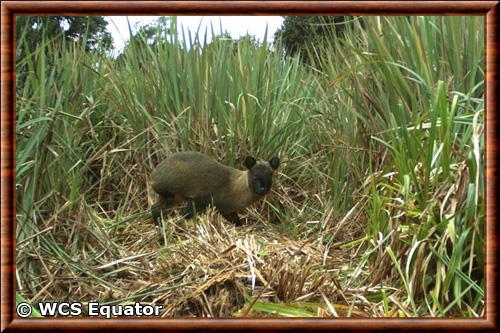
(377, 208)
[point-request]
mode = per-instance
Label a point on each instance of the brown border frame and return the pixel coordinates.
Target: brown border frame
(10, 8)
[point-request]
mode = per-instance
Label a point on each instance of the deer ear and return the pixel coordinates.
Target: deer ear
(250, 162)
(274, 162)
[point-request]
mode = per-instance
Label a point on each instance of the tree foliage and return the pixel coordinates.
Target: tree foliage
(299, 33)
(91, 30)
(151, 34)
(225, 39)
(36, 32)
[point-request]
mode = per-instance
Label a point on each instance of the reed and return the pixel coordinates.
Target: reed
(381, 184)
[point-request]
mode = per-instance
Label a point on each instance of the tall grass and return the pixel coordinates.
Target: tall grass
(381, 138)
(414, 90)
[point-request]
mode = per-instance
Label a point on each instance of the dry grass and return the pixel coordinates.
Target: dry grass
(205, 267)
(377, 209)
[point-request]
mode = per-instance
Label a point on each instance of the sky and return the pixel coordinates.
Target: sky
(236, 25)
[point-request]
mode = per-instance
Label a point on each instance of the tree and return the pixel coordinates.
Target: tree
(299, 33)
(30, 31)
(45, 33)
(225, 40)
(151, 35)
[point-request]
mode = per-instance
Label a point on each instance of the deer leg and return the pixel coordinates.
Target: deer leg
(166, 201)
(193, 207)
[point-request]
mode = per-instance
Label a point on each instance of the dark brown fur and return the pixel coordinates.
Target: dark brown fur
(198, 179)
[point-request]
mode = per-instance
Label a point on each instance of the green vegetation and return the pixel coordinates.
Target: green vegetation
(300, 34)
(377, 209)
(31, 31)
